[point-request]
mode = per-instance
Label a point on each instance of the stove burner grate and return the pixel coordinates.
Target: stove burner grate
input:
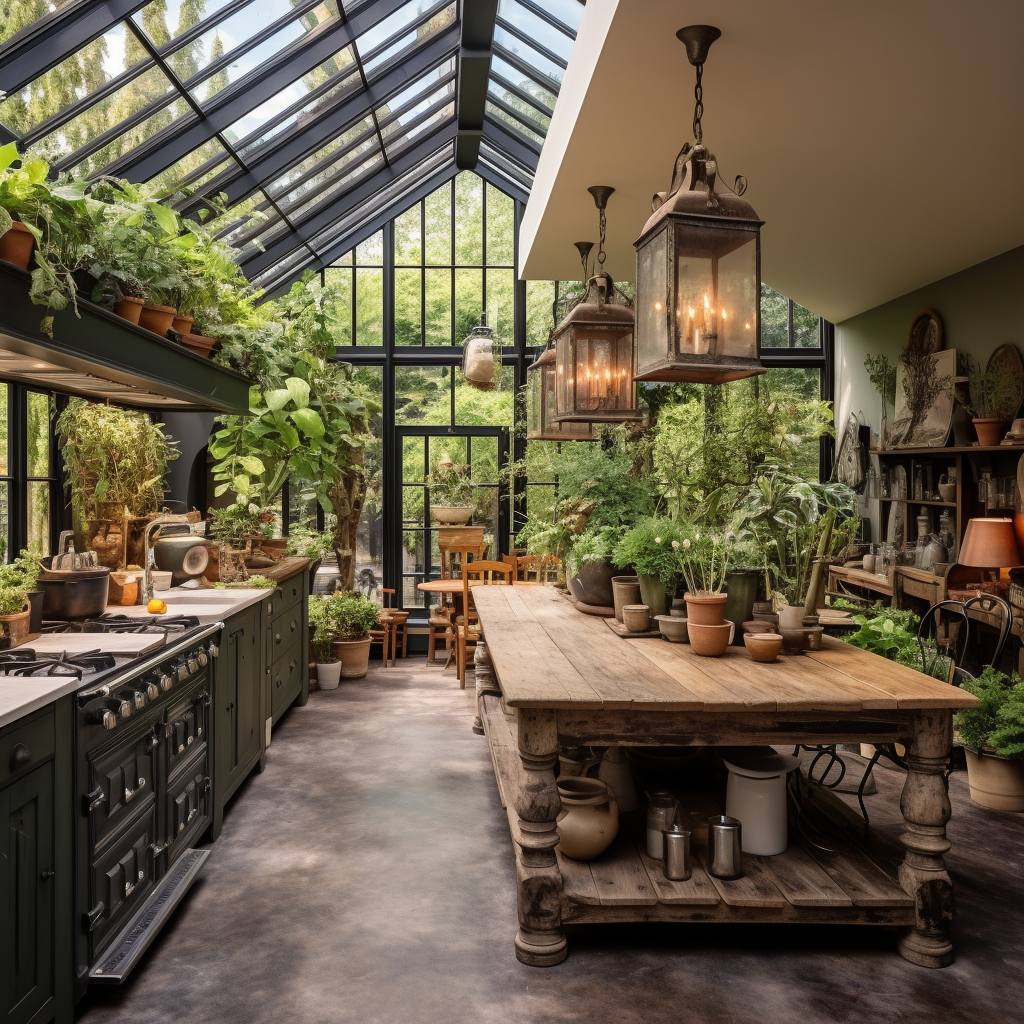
(124, 624)
(26, 662)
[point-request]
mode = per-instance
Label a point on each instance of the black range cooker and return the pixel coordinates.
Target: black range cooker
(142, 778)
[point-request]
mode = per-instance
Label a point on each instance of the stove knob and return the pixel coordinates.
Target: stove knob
(181, 672)
(193, 665)
(202, 659)
(166, 681)
(118, 707)
(105, 718)
(136, 698)
(152, 689)
(213, 649)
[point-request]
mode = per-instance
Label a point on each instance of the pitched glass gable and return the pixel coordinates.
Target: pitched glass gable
(309, 116)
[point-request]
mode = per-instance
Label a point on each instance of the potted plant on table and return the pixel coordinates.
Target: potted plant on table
(14, 613)
(992, 400)
(324, 629)
(236, 527)
(451, 492)
(704, 557)
(302, 542)
(993, 734)
(652, 547)
(355, 616)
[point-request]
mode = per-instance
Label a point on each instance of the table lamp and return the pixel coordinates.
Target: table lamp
(990, 543)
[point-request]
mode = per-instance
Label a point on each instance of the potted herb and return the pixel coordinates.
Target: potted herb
(993, 734)
(704, 562)
(355, 616)
(451, 492)
(14, 613)
(652, 548)
(992, 400)
(323, 624)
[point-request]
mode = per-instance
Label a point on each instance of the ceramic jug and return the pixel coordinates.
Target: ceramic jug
(589, 818)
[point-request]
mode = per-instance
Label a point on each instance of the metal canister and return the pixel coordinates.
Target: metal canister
(724, 857)
(676, 862)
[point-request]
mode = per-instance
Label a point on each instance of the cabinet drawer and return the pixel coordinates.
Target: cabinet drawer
(26, 745)
(284, 631)
(287, 595)
(286, 679)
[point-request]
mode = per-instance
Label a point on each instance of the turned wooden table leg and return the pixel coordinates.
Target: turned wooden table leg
(540, 941)
(486, 682)
(925, 807)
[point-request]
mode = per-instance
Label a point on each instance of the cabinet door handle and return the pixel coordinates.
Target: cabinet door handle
(21, 757)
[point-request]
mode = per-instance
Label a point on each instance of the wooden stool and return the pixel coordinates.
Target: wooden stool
(397, 623)
(440, 628)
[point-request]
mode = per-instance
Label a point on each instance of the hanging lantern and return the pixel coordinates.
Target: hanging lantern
(698, 266)
(594, 348)
(481, 357)
(540, 405)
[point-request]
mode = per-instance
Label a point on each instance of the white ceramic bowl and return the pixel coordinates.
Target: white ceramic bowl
(161, 579)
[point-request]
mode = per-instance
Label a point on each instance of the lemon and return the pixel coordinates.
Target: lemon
(156, 606)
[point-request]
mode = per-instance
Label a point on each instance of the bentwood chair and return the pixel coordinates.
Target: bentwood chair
(468, 632)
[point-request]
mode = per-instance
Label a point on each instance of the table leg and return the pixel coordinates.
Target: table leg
(486, 681)
(540, 941)
(925, 807)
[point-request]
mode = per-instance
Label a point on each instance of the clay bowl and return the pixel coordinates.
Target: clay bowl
(793, 640)
(710, 641)
(636, 617)
(763, 646)
(673, 628)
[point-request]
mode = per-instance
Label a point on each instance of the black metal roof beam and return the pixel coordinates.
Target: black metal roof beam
(169, 146)
(284, 155)
(543, 80)
(520, 149)
(493, 176)
(522, 94)
(338, 206)
(50, 40)
(478, 20)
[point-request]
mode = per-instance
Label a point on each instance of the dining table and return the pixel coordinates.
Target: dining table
(551, 678)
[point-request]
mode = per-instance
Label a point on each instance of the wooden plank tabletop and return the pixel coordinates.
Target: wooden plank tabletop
(547, 654)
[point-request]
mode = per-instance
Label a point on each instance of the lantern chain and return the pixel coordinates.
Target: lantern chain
(698, 107)
(600, 245)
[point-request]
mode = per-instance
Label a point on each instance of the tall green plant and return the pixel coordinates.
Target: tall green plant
(997, 724)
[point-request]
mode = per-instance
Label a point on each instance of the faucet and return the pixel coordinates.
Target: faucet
(146, 590)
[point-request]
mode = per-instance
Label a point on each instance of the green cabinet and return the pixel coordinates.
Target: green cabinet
(285, 646)
(35, 869)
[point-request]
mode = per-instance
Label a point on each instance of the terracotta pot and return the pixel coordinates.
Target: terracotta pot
(183, 324)
(328, 673)
(791, 616)
(157, 319)
(989, 430)
(354, 656)
(16, 245)
(199, 343)
(625, 590)
(636, 617)
(673, 628)
(455, 515)
(652, 593)
(995, 782)
(763, 646)
(710, 641)
(589, 818)
(706, 609)
(593, 584)
(130, 308)
(14, 629)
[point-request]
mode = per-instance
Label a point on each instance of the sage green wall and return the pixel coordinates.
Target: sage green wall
(981, 308)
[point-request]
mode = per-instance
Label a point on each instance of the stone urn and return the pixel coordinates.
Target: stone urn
(589, 818)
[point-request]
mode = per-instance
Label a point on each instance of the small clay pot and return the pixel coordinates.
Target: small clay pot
(990, 430)
(947, 492)
(130, 308)
(157, 319)
(706, 609)
(636, 617)
(625, 590)
(673, 628)
(710, 641)
(763, 646)
(183, 324)
(199, 343)
(16, 245)
(589, 818)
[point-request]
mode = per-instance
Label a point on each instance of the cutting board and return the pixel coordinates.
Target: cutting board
(112, 643)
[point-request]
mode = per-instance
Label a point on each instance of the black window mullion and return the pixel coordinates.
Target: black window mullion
(423, 273)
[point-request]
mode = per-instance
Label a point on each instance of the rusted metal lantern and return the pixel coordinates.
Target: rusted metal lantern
(541, 424)
(594, 356)
(698, 266)
(481, 357)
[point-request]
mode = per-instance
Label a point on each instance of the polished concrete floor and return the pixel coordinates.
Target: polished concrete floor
(367, 876)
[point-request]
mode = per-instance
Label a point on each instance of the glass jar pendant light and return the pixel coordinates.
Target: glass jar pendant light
(698, 265)
(540, 395)
(481, 357)
(594, 358)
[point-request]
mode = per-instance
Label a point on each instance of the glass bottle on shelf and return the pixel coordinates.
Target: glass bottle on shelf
(872, 485)
(918, 482)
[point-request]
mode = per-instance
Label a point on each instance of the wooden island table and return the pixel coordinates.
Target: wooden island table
(565, 679)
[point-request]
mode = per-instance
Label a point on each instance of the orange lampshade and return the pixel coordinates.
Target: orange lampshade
(990, 544)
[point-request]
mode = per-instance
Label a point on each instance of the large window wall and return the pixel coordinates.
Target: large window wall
(404, 300)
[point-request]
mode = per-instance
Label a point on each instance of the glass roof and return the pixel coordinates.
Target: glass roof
(312, 119)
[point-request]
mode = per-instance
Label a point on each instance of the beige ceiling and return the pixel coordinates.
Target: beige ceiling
(882, 141)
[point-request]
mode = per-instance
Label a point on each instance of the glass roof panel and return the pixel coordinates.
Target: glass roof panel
(343, 177)
(108, 114)
(218, 44)
(317, 162)
(535, 119)
(505, 165)
(73, 80)
(408, 40)
(286, 107)
(544, 67)
(156, 19)
(532, 26)
(196, 169)
(15, 15)
(403, 114)
(568, 12)
(421, 86)
(536, 139)
(504, 72)
(404, 135)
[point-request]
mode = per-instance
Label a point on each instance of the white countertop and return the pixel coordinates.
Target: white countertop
(20, 695)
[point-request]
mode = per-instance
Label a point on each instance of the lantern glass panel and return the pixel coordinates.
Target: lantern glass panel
(653, 301)
(595, 373)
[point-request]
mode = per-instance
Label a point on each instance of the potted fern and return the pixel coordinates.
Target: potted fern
(992, 400)
(993, 733)
(451, 492)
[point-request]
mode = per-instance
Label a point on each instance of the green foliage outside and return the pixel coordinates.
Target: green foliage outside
(997, 725)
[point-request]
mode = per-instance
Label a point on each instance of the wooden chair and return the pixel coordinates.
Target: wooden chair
(462, 542)
(440, 626)
(479, 573)
(383, 634)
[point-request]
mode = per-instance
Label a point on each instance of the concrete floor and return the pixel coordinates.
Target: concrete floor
(368, 876)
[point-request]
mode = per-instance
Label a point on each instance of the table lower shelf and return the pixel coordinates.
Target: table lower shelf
(803, 884)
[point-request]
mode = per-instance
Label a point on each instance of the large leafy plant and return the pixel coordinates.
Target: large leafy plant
(997, 724)
(652, 548)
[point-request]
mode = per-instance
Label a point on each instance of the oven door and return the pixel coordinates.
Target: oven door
(121, 780)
